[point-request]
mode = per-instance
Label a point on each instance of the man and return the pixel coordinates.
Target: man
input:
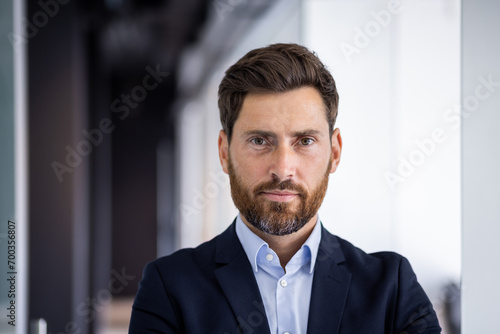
(276, 269)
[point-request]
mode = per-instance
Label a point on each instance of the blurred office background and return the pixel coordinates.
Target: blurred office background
(109, 122)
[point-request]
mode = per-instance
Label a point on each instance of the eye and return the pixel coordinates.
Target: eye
(258, 141)
(306, 141)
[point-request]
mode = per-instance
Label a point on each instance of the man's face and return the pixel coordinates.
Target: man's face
(279, 159)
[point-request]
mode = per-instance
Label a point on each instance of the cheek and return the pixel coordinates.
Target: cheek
(247, 165)
(255, 174)
(312, 172)
(249, 172)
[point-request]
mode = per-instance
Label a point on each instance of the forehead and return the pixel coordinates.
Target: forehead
(301, 108)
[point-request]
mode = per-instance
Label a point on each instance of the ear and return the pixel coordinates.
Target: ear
(336, 149)
(223, 151)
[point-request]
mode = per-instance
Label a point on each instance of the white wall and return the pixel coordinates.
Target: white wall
(481, 166)
(397, 78)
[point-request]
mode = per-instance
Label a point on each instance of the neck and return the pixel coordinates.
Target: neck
(285, 246)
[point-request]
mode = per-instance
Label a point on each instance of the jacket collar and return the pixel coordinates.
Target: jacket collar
(238, 283)
(330, 286)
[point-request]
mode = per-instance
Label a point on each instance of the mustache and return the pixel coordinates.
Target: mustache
(283, 185)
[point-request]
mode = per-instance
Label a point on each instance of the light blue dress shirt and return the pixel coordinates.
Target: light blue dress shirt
(286, 296)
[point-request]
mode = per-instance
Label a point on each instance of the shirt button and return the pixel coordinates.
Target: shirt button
(269, 257)
(283, 283)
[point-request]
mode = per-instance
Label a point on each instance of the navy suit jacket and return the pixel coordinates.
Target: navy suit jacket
(212, 289)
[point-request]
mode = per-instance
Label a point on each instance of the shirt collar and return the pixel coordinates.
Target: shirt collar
(252, 243)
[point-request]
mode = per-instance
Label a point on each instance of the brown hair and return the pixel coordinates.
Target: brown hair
(276, 68)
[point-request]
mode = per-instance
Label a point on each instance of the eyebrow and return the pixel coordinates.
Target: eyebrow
(304, 133)
(263, 133)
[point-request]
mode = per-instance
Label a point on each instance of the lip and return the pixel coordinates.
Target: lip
(280, 196)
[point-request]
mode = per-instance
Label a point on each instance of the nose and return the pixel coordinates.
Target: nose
(283, 166)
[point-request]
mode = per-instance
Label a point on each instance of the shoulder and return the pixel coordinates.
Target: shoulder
(382, 285)
(186, 260)
(198, 262)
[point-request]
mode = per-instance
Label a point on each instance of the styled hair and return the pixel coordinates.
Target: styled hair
(277, 68)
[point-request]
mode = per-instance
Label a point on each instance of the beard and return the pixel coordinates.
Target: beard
(276, 218)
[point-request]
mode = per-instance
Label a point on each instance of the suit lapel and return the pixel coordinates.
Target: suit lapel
(330, 287)
(238, 283)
